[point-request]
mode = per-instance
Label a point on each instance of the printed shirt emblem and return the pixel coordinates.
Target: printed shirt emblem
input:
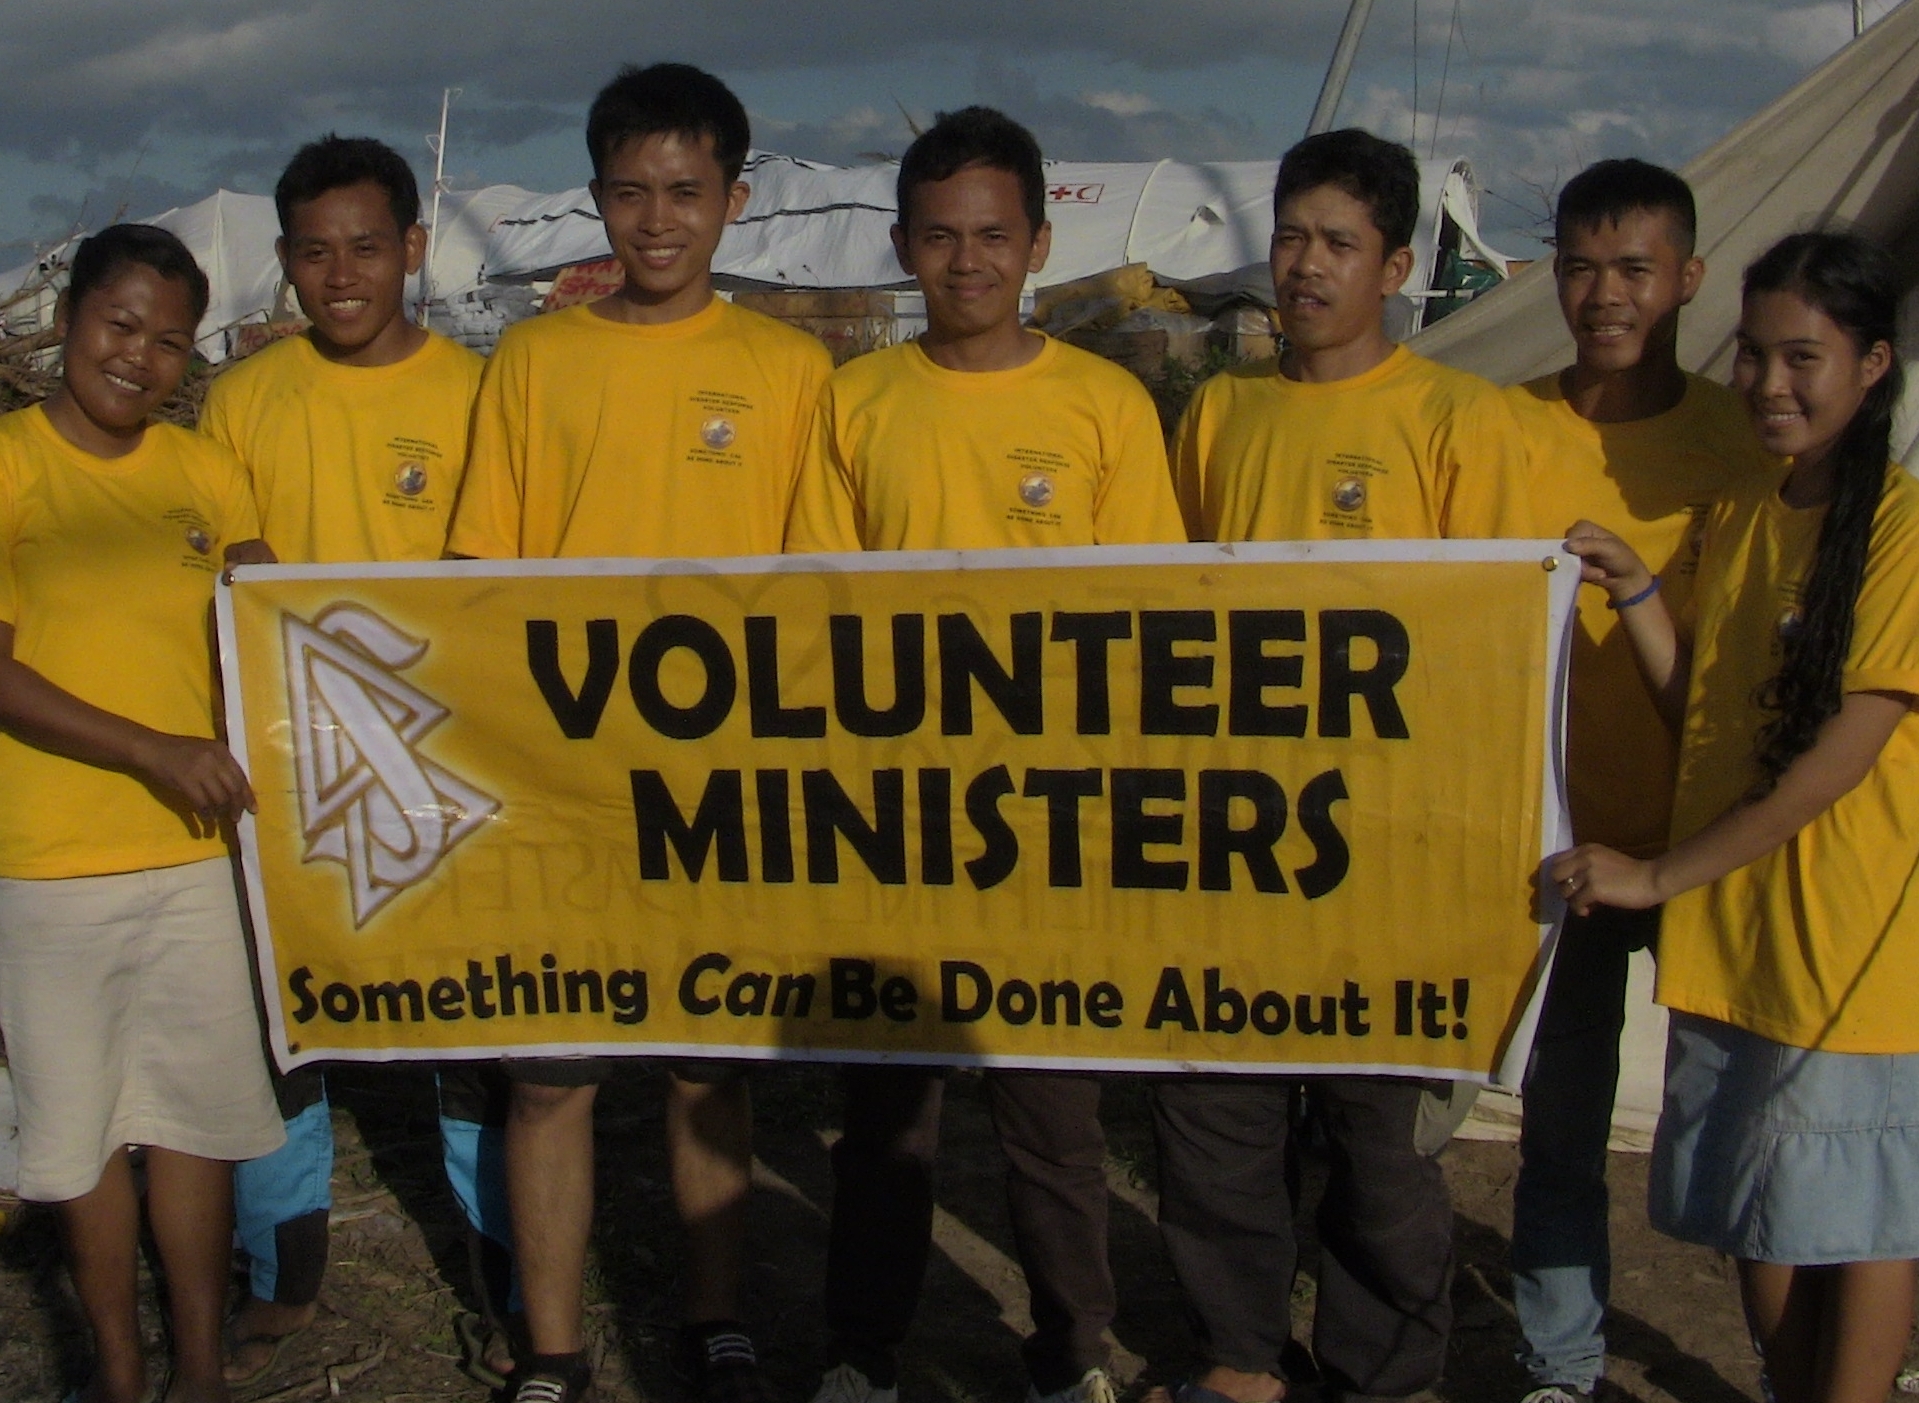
(368, 799)
(1349, 494)
(718, 433)
(199, 540)
(1036, 489)
(411, 479)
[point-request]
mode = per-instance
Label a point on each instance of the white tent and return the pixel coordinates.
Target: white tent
(814, 226)
(809, 225)
(1841, 146)
(467, 220)
(232, 236)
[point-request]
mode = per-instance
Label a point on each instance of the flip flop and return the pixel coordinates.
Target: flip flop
(274, 1344)
(1190, 1392)
(154, 1393)
(476, 1341)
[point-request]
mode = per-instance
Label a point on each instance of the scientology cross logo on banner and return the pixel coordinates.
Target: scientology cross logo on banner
(369, 798)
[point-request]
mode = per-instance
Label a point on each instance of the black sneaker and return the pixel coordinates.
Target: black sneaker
(552, 1379)
(717, 1361)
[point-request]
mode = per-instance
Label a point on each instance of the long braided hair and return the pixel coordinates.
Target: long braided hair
(1856, 284)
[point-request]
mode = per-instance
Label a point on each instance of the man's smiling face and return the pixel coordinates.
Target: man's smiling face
(1621, 285)
(348, 260)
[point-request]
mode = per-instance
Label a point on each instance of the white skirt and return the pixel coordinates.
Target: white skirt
(127, 1006)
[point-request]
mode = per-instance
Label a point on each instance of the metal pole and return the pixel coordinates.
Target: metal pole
(1344, 52)
(439, 184)
(1858, 18)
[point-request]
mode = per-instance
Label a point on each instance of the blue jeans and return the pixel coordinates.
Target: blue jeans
(1562, 1260)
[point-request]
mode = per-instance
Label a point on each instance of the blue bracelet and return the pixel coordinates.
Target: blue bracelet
(1647, 593)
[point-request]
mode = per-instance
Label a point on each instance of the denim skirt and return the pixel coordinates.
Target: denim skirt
(1771, 1153)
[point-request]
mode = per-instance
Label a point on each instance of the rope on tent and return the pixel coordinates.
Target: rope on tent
(1432, 147)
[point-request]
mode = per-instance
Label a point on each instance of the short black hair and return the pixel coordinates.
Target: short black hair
(99, 258)
(335, 162)
(1380, 174)
(975, 136)
(1608, 191)
(668, 99)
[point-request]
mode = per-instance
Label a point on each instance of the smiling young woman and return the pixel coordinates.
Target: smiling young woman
(124, 985)
(1790, 938)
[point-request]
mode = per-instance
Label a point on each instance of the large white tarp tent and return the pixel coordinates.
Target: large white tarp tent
(809, 225)
(815, 226)
(232, 237)
(1841, 146)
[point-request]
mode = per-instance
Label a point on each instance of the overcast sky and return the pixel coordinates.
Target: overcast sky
(130, 106)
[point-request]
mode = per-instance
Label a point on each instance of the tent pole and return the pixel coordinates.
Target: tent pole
(1344, 52)
(1858, 18)
(439, 184)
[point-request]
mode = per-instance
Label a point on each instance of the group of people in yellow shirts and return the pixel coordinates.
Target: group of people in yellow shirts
(1750, 643)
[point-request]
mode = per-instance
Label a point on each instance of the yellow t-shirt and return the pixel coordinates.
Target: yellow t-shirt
(349, 463)
(1815, 944)
(1410, 449)
(1065, 450)
(596, 438)
(106, 574)
(1651, 481)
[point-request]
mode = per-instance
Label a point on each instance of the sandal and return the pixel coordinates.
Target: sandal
(273, 1344)
(480, 1341)
(154, 1393)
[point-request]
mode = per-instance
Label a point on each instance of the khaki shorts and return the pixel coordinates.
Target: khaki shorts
(129, 1014)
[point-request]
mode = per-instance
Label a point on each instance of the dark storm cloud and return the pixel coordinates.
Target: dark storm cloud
(1535, 89)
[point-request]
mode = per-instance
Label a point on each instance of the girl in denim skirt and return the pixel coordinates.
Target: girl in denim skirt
(1789, 1137)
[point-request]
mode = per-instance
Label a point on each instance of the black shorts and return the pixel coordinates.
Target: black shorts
(592, 1071)
(710, 1071)
(559, 1071)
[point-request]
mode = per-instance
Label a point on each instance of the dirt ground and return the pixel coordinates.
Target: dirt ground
(399, 1278)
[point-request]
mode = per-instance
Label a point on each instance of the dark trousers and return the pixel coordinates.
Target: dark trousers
(1384, 1306)
(882, 1230)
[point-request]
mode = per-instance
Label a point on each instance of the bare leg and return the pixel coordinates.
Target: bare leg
(1246, 1388)
(1784, 1305)
(190, 1202)
(549, 1191)
(102, 1232)
(709, 1144)
(1863, 1336)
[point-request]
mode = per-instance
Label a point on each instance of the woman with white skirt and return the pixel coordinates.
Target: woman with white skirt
(125, 994)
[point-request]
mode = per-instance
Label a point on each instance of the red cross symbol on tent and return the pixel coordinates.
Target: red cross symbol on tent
(1074, 194)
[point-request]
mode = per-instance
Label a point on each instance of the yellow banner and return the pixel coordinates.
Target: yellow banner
(1157, 808)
